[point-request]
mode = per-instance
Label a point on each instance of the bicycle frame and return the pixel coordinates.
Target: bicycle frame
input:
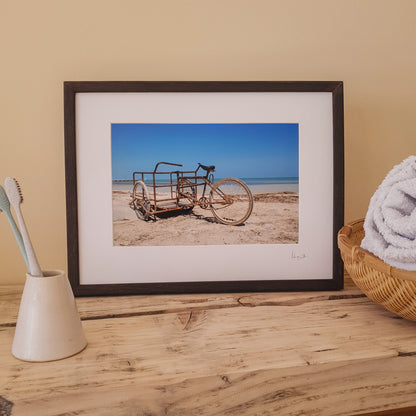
(193, 183)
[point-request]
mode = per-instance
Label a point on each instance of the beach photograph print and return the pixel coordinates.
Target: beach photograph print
(205, 184)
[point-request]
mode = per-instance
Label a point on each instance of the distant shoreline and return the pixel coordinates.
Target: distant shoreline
(248, 181)
(256, 185)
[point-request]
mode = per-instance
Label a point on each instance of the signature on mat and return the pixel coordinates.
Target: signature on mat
(297, 256)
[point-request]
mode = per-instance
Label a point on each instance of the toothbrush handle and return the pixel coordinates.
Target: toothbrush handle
(18, 237)
(34, 268)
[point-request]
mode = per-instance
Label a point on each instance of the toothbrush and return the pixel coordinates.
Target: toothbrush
(5, 207)
(15, 197)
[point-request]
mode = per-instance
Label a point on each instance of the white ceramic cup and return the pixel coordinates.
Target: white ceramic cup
(48, 325)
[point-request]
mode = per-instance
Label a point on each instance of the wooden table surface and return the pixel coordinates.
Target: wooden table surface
(310, 353)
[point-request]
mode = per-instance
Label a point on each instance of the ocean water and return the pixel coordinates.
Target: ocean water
(264, 185)
(256, 185)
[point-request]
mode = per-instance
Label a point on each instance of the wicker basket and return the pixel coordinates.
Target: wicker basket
(392, 288)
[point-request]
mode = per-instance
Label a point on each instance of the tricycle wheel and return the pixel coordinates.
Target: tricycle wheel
(140, 203)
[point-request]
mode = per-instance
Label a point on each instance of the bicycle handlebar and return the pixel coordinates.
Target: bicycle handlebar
(166, 163)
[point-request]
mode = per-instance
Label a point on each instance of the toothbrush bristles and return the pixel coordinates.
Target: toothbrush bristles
(19, 189)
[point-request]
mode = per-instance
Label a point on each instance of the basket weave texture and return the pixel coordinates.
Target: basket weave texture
(392, 288)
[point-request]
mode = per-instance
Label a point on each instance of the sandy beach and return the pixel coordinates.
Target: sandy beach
(274, 220)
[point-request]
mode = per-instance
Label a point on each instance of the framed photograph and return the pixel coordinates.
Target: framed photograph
(182, 187)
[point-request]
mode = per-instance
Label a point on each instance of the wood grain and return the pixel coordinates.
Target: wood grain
(112, 307)
(326, 354)
(406, 411)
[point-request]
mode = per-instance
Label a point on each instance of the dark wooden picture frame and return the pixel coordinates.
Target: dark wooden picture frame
(71, 89)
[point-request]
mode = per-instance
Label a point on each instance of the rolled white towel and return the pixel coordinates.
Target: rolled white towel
(390, 223)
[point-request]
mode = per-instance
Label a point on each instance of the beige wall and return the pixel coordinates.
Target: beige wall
(368, 44)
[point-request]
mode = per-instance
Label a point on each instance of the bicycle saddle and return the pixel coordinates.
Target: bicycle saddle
(207, 168)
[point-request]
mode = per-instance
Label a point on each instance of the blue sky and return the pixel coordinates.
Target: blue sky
(237, 150)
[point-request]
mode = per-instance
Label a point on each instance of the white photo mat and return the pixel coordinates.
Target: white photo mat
(100, 262)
